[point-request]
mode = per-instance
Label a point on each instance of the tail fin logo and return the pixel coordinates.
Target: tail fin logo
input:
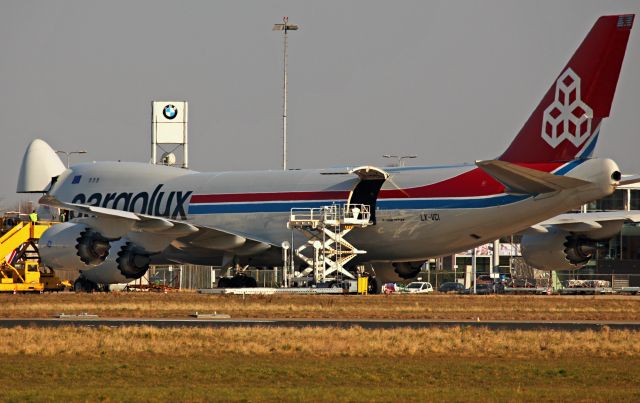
(567, 117)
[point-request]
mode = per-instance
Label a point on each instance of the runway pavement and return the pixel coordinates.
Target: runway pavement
(367, 324)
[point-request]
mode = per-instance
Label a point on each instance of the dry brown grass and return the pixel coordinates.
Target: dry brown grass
(317, 364)
(318, 342)
(284, 378)
(322, 306)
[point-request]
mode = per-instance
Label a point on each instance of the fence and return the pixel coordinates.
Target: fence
(197, 277)
(193, 277)
(537, 278)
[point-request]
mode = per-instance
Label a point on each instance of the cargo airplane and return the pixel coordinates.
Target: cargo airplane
(131, 215)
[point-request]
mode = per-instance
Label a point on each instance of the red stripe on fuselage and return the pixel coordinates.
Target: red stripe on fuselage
(266, 197)
(473, 183)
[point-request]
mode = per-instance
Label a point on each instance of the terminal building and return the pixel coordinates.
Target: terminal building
(620, 256)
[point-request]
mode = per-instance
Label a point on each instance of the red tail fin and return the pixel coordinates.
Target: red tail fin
(566, 123)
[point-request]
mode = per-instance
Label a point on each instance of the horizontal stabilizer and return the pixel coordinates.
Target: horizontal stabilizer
(629, 180)
(521, 180)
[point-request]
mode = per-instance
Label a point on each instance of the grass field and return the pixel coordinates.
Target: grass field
(495, 307)
(317, 364)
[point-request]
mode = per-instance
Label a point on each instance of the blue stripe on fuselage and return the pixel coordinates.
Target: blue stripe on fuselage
(382, 204)
(568, 167)
(268, 207)
(462, 203)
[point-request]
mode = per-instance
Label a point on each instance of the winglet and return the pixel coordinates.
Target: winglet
(522, 180)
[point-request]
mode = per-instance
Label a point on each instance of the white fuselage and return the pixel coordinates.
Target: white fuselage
(257, 204)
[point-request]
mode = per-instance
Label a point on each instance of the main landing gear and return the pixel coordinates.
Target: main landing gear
(84, 285)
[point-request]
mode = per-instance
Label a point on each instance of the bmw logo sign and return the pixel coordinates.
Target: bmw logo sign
(170, 112)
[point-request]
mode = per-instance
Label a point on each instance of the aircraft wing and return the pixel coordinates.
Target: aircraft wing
(522, 180)
(158, 232)
(115, 223)
(586, 222)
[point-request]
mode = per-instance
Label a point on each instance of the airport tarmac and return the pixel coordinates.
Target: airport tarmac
(344, 323)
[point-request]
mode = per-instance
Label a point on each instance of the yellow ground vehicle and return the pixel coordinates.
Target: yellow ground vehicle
(19, 260)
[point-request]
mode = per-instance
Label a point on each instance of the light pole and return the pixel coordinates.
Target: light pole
(68, 153)
(474, 267)
(400, 158)
(285, 27)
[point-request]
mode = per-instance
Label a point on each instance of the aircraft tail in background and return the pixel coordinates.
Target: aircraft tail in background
(566, 123)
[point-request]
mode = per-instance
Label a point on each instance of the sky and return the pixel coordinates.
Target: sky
(447, 81)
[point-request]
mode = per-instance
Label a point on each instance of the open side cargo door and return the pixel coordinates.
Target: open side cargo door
(368, 188)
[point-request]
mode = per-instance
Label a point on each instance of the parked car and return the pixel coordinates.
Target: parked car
(419, 287)
(451, 287)
(484, 279)
(390, 288)
(482, 289)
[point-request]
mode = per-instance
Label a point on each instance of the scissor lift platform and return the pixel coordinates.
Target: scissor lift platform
(325, 229)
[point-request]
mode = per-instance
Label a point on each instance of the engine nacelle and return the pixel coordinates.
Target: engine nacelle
(388, 272)
(407, 270)
(126, 262)
(557, 250)
(72, 246)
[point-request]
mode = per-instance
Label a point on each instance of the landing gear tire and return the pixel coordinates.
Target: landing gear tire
(237, 281)
(250, 282)
(84, 285)
(242, 281)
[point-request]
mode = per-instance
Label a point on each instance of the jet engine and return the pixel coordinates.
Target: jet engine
(126, 262)
(72, 246)
(407, 270)
(387, 272)
(76, 247)
(558, 250)
(391, 272)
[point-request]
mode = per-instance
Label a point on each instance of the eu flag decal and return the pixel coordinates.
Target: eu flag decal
(76, 179)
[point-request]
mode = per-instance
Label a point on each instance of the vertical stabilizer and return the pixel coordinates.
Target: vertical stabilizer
(566, 123)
